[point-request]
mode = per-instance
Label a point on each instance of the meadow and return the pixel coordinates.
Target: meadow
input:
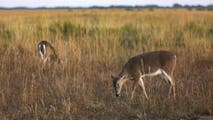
(94, 44)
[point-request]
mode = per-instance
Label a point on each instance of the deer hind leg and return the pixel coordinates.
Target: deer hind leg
(141, 83)
(170, 81)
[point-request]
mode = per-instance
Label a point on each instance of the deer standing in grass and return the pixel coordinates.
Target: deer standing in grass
(147, 64)
(47, 53)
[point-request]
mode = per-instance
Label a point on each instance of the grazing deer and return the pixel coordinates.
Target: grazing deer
(146, 64)
(47, 53)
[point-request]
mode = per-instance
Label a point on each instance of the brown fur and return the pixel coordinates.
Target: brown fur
(50, 55)
(146, 63)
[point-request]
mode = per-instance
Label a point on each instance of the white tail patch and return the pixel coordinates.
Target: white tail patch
(44, 48)
(47, 53)
(40, 52)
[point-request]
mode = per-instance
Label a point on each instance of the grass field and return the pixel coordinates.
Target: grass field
(94, 44)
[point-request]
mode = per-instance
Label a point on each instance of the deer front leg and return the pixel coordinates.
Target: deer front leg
(133, 89)
(141, 83)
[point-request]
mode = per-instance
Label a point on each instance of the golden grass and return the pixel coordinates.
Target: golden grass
(95, 44)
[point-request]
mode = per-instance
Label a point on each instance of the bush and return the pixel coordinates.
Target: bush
(55, 28)
(129, 36)
(5, 33)
(194, 29)
(39, 31)
(178, 37)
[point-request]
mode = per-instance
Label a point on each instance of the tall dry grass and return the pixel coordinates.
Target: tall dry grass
(95, 44)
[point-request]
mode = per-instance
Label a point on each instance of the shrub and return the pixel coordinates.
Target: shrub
(195, 29)
(5, 33)
(129, 36)
(55, 27)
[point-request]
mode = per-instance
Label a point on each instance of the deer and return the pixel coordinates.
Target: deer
(147, 64)
(47, 53)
